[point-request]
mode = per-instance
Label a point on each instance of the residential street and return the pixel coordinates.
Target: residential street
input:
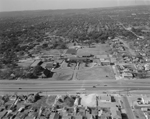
(128, 108)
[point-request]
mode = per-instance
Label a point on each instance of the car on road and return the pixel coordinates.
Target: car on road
(94, 86)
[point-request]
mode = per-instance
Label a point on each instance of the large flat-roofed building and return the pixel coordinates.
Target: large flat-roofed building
(127, 75)
(104, 98)
(105, 61)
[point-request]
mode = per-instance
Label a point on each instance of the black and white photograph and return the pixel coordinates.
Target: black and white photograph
(74, 59)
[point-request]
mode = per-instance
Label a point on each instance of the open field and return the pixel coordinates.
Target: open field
(63, 53)
(53, 52)
(63, 74)
(52, 36)
(96, 73)
(98, 49)
(92, 72)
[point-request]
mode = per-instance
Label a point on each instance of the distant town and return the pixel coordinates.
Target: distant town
(75, 64)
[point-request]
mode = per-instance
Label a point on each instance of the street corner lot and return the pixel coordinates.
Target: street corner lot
(63, 74)
(96, 73)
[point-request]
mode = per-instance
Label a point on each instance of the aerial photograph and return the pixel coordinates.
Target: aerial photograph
(74, 59)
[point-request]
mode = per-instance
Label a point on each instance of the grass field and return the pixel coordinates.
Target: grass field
(63, 74)
(96, 73)
(99, 49)
(54, 52)
(91, 72)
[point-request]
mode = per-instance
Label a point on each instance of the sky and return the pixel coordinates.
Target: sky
(19, 5)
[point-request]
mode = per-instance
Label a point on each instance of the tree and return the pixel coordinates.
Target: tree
(37, 96)
(89, 43)
(31, 76)
(142, 73)
(45, 45)
(5, 74)
(8, 49)
(37, 70)
(18, 72)
(62, 46)
(9, 57)
(47, 73)
(5, 98)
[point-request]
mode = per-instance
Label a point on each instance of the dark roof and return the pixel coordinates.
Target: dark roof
(49, 65)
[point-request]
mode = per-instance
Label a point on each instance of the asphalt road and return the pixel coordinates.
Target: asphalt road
(59, 86)
(75, 72)
(129, 30)
(128, 108)
(126, 45)
(121, 24)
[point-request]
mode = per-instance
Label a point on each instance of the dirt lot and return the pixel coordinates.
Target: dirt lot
(96, 73)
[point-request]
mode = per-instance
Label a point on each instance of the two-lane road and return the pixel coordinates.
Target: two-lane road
(128, 108)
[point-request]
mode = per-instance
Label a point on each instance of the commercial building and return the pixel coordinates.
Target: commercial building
(127, 75)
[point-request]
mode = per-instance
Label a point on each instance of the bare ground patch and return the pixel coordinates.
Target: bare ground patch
(96, 73)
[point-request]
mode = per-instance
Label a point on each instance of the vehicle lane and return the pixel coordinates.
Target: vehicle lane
(128, 108)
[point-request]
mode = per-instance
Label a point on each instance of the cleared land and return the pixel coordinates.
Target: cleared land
(93, 71)
(98, 49)
(54, 52)
(96, 73)
(63, 74)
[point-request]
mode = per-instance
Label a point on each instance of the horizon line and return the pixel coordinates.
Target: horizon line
(73, 8)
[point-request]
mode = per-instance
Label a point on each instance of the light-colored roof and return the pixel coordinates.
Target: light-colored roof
(127, 74)
(88, 100)
(104, 60)
(104, 97)
(45, 64)
(35, 63)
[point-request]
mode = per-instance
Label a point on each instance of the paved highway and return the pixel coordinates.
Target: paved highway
(58, 86)
(78, 82)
